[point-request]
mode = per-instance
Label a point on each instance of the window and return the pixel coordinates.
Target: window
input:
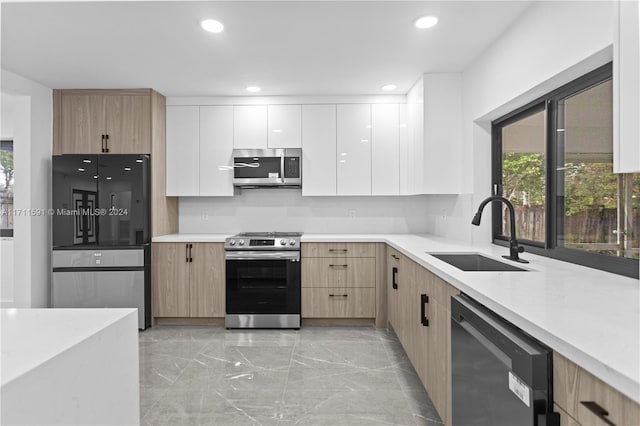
(6, 188)
(553, 159)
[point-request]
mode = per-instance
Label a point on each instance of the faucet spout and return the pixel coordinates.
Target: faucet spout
(514, 249)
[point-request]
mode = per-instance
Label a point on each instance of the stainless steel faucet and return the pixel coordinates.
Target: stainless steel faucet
(514, 249)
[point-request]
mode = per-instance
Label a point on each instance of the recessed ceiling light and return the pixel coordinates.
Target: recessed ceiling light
(212, 26)
(389, 87)
(86, 161)
(425, 22)
(127, 169)
(139, 160)
(81, 169)
(108, 177)
(253, 89)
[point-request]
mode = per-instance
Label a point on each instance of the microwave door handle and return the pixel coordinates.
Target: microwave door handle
(282, 157)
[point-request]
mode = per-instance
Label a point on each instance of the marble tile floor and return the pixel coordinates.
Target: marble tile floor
(316, 376)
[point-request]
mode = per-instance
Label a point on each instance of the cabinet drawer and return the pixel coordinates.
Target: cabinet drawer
(338, 250)
(344, 272)
(338, 302)
(573, 385)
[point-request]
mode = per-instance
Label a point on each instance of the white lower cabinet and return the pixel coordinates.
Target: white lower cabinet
(199, 151)
(318, 150)
(354, 149)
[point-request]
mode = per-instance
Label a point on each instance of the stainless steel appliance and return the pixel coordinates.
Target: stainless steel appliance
(263, 280)
(280, 167)
(500, 375)
(101, 217)
(102, 278)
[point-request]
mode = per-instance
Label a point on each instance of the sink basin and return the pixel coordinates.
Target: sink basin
(475, 262)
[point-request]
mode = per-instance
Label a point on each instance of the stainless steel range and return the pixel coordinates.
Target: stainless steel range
(263, 280)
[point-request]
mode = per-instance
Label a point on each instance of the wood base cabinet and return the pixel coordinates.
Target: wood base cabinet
(339, 280)
(188, 280)
(581, 397)
(420, 314)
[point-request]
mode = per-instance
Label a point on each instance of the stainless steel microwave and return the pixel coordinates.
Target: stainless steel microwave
(275, 167)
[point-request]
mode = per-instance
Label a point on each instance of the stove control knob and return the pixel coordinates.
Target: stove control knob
(292, 242)
(283, 242)
(241, 242)
(232, 242)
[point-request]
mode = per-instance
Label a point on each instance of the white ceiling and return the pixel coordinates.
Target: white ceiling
(287, 47)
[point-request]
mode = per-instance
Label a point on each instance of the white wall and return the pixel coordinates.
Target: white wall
(32, 128)
(288, 210)
(550, 44)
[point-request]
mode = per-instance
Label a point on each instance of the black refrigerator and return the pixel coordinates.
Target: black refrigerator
(101, 232)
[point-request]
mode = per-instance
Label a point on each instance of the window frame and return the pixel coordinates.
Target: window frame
(8, 233)
(548, 103)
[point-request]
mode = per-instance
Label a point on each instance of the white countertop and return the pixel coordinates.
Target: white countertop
(31, 337)
(590, 316)
(191, 238)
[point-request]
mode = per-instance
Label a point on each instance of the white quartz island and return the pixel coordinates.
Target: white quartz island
(69, 366)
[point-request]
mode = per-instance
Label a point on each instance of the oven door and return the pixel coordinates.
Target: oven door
(262, 289)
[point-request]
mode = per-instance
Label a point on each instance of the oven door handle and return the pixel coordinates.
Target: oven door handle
(263, 255)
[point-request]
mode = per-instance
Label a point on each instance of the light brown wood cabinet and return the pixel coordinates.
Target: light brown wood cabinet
(420, 314)
(338, 280)
(575, 390)
(188, 280)
(394, 278)
(102, 121)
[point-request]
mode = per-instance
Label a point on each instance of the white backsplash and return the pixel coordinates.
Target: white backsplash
(288, 210)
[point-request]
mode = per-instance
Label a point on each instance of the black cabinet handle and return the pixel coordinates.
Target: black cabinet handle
(395, 257)
(342, 250)
(338, 266)
(106, 142)
(424, 299)
(186, 251)
(338, 295)
(394, 275)
(190, 247)
(596, 409)
(102, 143)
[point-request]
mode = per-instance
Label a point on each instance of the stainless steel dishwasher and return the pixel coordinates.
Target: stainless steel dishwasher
(500, 375)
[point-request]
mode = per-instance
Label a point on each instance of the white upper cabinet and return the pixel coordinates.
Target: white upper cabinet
(183, 151)
(442, 133)
(250, 126)
(413, 172)
(199, 151)
(318, 150)
(284, 126)
(626, 92)
(216, 151)
(403, 141)
(385, 149)
(354, 149)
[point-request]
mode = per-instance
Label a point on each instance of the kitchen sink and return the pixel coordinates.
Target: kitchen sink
(475, 262)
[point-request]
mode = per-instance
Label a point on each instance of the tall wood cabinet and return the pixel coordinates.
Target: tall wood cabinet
(188, 280)
(96, 121)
